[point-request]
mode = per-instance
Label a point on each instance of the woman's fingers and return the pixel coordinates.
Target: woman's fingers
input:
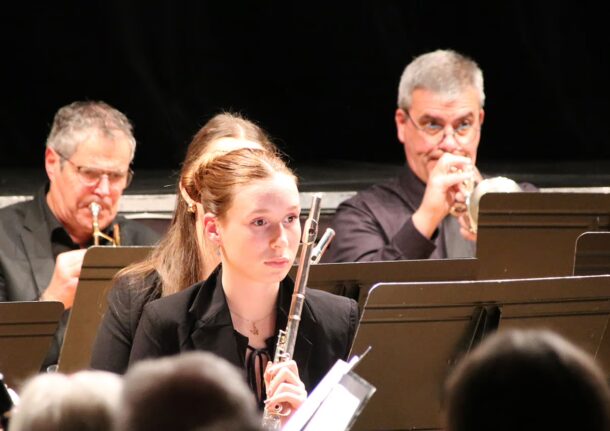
(283, 372)
(285, 390)
(286, 399)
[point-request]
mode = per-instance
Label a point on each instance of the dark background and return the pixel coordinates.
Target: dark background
(320, 77)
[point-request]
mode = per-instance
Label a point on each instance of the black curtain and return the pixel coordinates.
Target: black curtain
(320, 77)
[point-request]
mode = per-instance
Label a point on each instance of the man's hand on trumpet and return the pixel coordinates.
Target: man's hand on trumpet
(65, 278)
(460, 205)
(445, 186)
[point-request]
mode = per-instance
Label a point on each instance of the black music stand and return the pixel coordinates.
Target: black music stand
(99, 268)
(26, 333)
(592, 254)
(418, 331)
(355, 279)
(533, 234)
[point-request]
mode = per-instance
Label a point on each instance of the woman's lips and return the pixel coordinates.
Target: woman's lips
(277, 262)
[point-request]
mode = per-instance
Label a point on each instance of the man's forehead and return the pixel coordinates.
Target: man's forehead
(104, 151)
(467, 95)
(453, 115)
(437, 105)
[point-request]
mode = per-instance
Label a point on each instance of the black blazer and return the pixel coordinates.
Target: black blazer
(198, 318)
(126, 301)
(26, 255)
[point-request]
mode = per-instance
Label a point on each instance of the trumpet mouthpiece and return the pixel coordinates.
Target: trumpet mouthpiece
(95, 208)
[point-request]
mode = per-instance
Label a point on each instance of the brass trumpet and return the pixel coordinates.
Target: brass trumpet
(95, 209)
(488, 185)
(474, 191)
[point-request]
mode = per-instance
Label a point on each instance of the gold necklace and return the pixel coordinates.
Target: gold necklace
(253, 329)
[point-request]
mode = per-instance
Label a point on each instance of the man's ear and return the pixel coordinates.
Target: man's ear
(481, 116)
(211, 228)
(400, 119)
(52, 163)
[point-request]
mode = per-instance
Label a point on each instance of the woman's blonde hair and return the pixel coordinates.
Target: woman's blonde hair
(177, 258)
(216, 181)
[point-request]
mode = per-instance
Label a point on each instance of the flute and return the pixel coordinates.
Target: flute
(286, 339)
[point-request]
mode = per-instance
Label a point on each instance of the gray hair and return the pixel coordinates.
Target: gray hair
(192, 391)
(84, 401)
(444, 72)
(75, 122)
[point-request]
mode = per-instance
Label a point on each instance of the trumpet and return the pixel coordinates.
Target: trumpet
(95, 209)
(474, 191)
(488, 185)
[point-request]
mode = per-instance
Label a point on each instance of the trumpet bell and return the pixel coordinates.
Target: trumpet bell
(489, 185)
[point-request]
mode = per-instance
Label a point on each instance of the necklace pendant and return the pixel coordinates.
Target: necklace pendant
(254, 329)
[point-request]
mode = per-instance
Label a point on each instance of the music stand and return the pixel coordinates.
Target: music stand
(99, 268)
(533, 234)
(592, 254)
(355, 279)
(26, 333)
(418, 331)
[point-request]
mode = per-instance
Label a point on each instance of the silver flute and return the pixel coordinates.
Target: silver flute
(287, 339)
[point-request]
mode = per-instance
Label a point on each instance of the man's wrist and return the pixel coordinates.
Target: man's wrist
(425, 223)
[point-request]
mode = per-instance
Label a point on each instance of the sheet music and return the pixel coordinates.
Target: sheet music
(331, 405)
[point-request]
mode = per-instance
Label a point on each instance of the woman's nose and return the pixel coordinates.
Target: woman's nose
(280, 238)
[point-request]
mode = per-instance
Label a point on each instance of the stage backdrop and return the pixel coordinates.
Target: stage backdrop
(321, 77)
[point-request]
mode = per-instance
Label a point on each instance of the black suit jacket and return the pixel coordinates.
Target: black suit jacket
(26, 255)
(198, 318)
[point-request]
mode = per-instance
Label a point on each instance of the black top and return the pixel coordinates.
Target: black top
(198, 318)
(376, 225)
(126, 301)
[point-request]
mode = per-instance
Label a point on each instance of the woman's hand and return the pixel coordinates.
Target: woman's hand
(284, 388)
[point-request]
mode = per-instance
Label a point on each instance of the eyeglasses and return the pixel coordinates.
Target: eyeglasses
(463, 131)
(90, 177)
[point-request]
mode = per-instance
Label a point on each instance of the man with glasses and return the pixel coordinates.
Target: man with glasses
(43, 241)
(438, 119)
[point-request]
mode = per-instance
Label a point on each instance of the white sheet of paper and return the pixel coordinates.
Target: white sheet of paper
(336, 412)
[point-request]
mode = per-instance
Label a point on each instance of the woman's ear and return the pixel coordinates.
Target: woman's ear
(211, 228)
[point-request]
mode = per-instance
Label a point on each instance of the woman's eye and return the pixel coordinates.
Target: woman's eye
(291, 219)
(259, 222)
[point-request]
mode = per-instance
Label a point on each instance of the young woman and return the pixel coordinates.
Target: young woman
(182, 257)
(250, 214)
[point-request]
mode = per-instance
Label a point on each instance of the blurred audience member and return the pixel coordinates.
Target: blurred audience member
(527, 380)
(192, 391)
(84, 401)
